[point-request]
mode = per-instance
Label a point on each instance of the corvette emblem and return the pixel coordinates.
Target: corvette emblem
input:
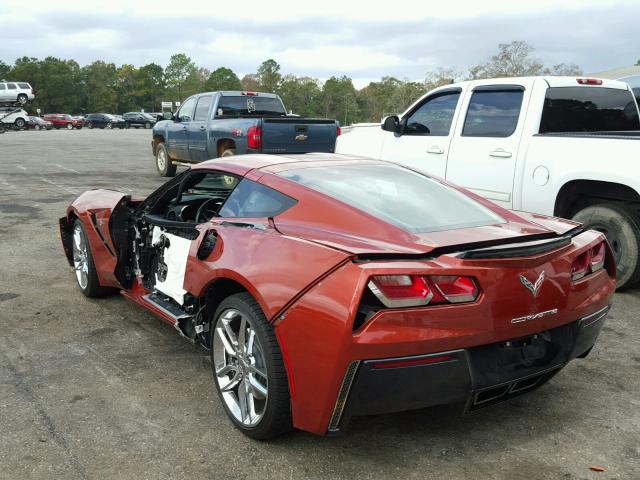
(301, 137)
(534, 288)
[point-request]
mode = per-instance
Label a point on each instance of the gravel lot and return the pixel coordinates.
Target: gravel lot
(101, 389)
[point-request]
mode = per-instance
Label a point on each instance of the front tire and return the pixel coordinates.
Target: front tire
(89, 125)
(108, 125)
(85, 268)
(147, 125)
(69, 126)
(22, 99)
(166, 168)
(622, 230)
(19, 123)
(248, 369)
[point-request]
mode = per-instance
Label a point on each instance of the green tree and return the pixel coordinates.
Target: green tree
(222, 79)
(100, 80)
(128, 88)
(339, 100)
(4, 70)
(301, 95)
(269, 76)
(151, 86)
(512, 60)
(180, 73)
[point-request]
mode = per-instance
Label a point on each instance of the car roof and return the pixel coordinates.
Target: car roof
(243, 164)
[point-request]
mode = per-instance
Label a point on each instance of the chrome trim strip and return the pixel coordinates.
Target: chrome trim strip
(341, 401)
(594, 317)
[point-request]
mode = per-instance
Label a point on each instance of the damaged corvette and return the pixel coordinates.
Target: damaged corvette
(331, 286)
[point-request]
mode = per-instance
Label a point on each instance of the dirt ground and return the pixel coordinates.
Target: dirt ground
(100, 389)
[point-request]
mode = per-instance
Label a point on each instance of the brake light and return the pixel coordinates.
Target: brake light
(338, 132)
(589, 81)
(589, 262)
(254, 137)
(250, 94)
(415, 290)
(456, 289)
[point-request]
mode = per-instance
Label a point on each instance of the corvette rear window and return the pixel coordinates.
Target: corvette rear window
(409, 200)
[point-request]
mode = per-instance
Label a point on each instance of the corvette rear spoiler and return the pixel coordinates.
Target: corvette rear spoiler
(495, 249)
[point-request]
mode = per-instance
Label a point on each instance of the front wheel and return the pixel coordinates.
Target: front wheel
(69, 126)
(166, 168)
(622, 229)
(83, 264)
(22, 99)
(248, 369)
(108, 125)
(89, 125)
(147, 125)
(20, 122)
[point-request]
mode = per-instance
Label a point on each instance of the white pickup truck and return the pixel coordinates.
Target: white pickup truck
(562, 146)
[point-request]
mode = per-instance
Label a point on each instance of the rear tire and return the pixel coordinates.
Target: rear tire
(166, 168)
(22, 99)
(622, 229)
(229, 152)
(255, 366)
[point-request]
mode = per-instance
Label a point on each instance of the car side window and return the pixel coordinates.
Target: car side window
(11, 86)
(434, 116)
(493, 113)
(24, 86)
(254, 200)
(185, 114)
(202, 109)
(2, 86)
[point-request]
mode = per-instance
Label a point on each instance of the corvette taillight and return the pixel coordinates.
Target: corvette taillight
(589, 262)
(416, 290)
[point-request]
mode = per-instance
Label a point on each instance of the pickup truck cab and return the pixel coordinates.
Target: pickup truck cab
(217, 124)
(560, 146)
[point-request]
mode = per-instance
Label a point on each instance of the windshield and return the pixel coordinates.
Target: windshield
(249, 105)
(409, 200)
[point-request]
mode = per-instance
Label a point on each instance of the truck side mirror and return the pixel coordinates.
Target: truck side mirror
(391, 124)
(167, 115)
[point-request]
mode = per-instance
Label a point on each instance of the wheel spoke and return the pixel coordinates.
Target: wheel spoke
(228, 347)
(242, 334)
(242, 400)
(258, 390)
(252, 336)
(226, 369)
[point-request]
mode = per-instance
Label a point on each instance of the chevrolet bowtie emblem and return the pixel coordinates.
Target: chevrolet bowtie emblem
(301, 137)
(534, 288)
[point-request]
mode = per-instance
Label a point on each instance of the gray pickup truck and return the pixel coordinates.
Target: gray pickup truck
(217, 124)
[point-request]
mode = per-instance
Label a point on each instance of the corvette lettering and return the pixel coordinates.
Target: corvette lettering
(535, 316)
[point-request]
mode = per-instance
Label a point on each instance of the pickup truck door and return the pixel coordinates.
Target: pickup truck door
(484, 150)
(426, 133)
(197, 132)
(177, 131)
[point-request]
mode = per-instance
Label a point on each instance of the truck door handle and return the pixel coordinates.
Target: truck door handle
(500, 153)
(184, 127)
(436, 150)
(202, 127)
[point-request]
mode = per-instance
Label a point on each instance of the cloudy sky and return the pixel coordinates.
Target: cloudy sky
(364, 40)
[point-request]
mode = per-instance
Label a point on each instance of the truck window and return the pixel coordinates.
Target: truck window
(588, 109)
(185, 114)
(493, 113)
(12, 86)
(434, 116)
(24, 86)
(234, 106)
(202, 109)
(2, 86)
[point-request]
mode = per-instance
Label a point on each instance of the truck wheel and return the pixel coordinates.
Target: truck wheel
(20, 122)
(622, 230)
(229, 152)
(163, 163)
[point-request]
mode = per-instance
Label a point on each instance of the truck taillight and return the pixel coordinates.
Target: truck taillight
(254, 137)
(338, 132)
(589, 262)
(416, 290)
(589, 81)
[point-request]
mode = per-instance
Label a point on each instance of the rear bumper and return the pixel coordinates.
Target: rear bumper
(474, 378)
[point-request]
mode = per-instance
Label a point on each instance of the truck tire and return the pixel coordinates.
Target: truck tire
(622, 230)
(20, 122)
(166, 168)
(229, 152)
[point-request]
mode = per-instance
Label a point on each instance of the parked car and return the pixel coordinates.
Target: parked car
(14, 117)
(103, 120)
(219, 124)
(37, 123)
(363, 286)
(16, 93)
(139, 120)
(63, 120)
(560, 146)
(119, 122)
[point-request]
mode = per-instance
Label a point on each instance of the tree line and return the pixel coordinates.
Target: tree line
(63, 86)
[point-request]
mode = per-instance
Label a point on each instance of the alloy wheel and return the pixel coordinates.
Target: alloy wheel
(240, 367)
(80, 257)
(161, 159)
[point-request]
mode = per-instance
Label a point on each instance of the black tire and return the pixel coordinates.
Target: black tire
(166, 168)
(108, 125)
(93, 289)
(19, 123)
(229, 152)
(127, 126)
(22, 99)
(276, 419)
(89, 125)
(622, 229)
